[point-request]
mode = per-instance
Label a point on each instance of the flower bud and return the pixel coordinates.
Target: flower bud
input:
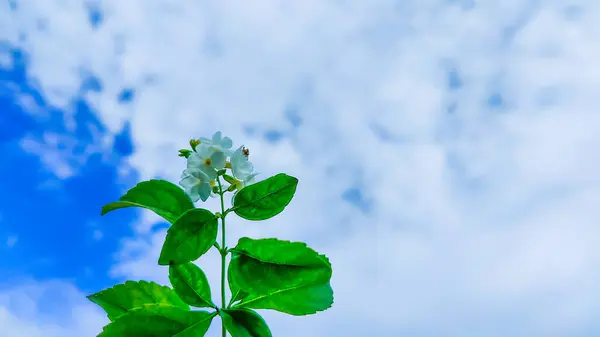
(184, 153)
(194, 143)
(230, 179)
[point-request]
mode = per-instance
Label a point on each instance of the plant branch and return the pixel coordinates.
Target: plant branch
(223, 251)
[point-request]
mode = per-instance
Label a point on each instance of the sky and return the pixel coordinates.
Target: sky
(445, 151)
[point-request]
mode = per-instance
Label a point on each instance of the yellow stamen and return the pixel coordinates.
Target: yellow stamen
(212, 183)
(228, 165)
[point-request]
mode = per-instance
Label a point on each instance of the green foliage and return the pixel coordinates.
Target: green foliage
(160, 196)
(305, 299)
(237, 294)
(281, 275)
(190, 282)
(244, 323)
(159, 320)
(190, 236)
(266, 198)
(274, 274)
(122, 298)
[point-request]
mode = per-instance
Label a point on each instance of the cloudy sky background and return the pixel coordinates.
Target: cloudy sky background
(446, 152)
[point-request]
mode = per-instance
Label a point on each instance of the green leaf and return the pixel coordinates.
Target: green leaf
(159, 320)
(298, 301)
(281, 275)
(191, 284)
(190, 236)
(122, 298)
(237, 294)
(160, 196)
(244, 323)
(266, 198)
(280, 252)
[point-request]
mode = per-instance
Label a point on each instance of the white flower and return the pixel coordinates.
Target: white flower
(206, 157)
(196, 182)
(240, 166)
(218, 143)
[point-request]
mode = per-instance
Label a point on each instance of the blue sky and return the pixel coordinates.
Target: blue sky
(446, 151)
(53, 223)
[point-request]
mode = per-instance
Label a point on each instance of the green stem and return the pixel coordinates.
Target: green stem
(223, 252)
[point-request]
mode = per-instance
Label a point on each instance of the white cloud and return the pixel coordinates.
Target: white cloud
(481, 215)
(62, 154)
(47, 309)
(5, 59)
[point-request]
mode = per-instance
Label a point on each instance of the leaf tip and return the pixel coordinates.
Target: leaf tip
(164, 262)
(105, 209)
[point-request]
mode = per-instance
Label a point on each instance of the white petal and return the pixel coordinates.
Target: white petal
(208, 173)
(218, 160)
(226, 143)
(250, 179)
(238, 152)
(194, 160)
(204, 141)
(248, 166)
(242, 170)
(194, 196)
(188, 182)
(205, 151)
(204, 191)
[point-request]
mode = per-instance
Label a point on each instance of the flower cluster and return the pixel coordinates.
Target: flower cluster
(209, 159)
